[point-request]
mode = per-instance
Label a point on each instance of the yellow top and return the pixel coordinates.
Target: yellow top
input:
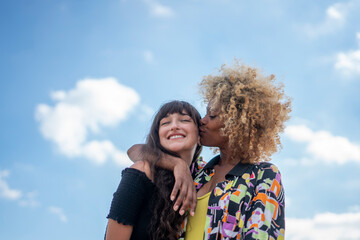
(195, 225)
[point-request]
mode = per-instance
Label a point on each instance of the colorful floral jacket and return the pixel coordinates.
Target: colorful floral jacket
(248, 205)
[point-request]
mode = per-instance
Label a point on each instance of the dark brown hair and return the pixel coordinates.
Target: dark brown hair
(166, 223)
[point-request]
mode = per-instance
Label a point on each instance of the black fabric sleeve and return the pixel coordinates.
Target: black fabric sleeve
(128, 200)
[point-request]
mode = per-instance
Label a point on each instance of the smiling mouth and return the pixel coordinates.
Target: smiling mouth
(176, 136)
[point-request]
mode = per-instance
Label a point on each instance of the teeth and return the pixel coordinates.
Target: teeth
(176, 136)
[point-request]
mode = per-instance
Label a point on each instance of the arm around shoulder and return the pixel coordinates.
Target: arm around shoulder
(183, 193)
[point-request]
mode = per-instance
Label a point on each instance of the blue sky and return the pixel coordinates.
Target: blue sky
(80, 81)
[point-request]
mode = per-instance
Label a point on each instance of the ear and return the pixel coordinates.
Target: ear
(198, 141)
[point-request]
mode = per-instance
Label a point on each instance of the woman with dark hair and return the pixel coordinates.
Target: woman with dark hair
(243, 193)
(141, 206)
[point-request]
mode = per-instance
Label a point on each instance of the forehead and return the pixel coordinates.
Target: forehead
(183, 113)
(213, 106)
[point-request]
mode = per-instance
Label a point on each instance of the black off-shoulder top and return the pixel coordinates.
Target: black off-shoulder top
(132, 202)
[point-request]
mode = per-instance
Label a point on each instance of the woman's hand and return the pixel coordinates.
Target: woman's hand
(135, 152)
(183, 193)
(184, 190)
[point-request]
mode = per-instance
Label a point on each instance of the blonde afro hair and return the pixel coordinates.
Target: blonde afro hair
(253, 109)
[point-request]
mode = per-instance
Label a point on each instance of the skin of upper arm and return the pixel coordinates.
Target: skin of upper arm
(136, 154)
(118, 231)
(144, 167)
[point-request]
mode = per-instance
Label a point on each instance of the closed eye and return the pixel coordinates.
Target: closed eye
(164, 123)
(185, 120)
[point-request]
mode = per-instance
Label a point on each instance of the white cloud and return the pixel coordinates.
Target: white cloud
(330, 226)
(5, 191)
(324, 146)
(99, 151)
(92, 104)
(58, 95)
(29, 200)
(348, 63)
(24, 199)
(59, 213)
(334, 20)
(148, 56)
(159, 10)
(334, 12)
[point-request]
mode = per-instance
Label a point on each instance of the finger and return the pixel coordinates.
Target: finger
(175, 191)
(188, 200)
(193, 203)
(180, 198)
(185, 205)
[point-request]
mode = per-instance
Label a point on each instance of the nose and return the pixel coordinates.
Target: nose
(203, 121)
(174, 125)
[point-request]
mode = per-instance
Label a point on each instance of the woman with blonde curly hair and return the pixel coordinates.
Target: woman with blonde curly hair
(239, 193)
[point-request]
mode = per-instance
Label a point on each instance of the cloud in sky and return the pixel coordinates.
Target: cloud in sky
(24, 199)
(159, 10)
(29, 200)
(59, 213)
(335, 18)
(323, 146)
(330, 226)
(5, 191)
(348, 63)
(92, 104)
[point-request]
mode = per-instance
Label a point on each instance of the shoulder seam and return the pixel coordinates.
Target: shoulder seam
(144, 167)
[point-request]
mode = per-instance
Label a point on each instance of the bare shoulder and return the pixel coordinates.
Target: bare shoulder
(144, 167)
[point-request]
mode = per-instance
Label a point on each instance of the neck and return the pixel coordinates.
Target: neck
(187, 156)
(225, 158)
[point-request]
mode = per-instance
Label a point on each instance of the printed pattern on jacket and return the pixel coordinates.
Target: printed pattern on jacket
(249, 204)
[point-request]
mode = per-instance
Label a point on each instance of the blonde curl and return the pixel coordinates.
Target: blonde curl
(253, 108)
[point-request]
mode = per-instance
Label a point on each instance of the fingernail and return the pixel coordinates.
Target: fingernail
(181, 212)
(192, 213)
(172, 198)
(176, 207)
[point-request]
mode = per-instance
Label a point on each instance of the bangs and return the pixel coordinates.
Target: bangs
(178, 107)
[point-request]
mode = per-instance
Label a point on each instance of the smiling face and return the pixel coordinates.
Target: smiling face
(210, 128)
(179, 133)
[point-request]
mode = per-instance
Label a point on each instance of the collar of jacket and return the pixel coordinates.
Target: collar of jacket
(238, 170)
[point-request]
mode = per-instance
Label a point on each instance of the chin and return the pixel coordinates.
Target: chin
(175, 150)
(203, 142)
(207, 144)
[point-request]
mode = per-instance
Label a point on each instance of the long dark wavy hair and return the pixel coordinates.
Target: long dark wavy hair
(165, 223)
